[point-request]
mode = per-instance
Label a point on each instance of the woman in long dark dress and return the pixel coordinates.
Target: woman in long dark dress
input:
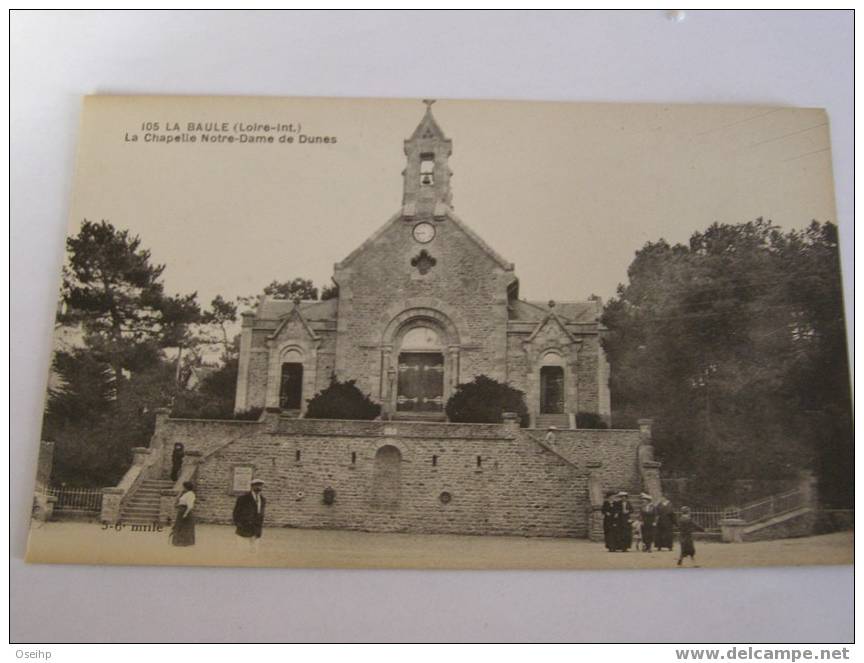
(608, 517)
(664, 523)
(625, 530)
(615, 524)
(183, 532)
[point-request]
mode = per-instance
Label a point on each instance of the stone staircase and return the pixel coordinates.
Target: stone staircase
(561, 421)
(788, 524)
(143, 506)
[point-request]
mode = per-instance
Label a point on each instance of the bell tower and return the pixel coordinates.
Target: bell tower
(426, 191)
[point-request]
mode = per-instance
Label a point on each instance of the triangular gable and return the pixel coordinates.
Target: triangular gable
(556, 320)
(287, 318)
(397, 218)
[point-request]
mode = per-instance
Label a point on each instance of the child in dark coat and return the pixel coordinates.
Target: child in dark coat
(686, 527)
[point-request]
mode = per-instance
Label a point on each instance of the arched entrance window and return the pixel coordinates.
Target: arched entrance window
(291, 381)
(420, 383)
(387, 476)
(551, 385)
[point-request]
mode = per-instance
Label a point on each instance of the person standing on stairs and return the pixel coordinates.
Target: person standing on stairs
(176, 460)
(183, 531)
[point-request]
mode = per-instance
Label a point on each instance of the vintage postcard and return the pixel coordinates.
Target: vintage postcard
(447, 334)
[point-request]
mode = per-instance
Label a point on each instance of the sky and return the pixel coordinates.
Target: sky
(567, 192)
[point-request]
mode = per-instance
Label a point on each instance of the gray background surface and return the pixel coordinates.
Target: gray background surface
(790, 58)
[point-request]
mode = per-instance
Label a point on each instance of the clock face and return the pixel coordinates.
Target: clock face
(424, 232)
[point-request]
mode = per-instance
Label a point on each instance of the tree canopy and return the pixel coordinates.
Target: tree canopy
(485, 400)
(342, 400)
(109, 384)
(735, 344)
(111, 288)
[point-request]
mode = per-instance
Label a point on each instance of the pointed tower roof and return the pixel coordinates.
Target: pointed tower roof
(428, 129)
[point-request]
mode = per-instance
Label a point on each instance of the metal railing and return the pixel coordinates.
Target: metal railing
(770, 506)
(707, 518)
(76, 499)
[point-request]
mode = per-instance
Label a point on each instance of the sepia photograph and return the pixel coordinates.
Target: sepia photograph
(447, 334)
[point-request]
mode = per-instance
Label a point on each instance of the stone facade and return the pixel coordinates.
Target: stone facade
(407, 476)
(424, 297)
(423, 306)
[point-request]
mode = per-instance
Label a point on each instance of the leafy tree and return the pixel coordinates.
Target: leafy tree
(93, 445)
(590, 420)
(84, 390)
(107, 391)
(213, 398)
(210, 343)
(484, 400)
(297, 288)
(221, 315)
(342, 400)
(735, 344)
(111, 288)
(329, 292)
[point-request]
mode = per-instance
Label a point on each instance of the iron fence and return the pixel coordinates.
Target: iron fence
(708, 518)
(770, 506)
(76, 499)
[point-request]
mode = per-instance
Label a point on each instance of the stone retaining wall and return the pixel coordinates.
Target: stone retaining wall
(407, 476)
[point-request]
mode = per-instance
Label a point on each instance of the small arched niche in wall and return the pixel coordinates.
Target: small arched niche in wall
(387, 477)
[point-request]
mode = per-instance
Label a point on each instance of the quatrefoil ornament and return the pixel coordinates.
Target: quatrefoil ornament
(423, 262)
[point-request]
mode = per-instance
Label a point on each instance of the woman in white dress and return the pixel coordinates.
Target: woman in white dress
(183, 532)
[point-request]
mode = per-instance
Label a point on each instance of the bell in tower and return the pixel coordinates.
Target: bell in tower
(427, 173)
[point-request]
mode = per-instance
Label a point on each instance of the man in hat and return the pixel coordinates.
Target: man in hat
(649, 516)
(249, 514)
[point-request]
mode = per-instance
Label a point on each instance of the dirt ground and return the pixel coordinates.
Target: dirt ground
(89, 543)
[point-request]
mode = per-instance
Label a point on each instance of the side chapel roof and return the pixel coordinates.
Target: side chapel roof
(532, 311)
(273, 309)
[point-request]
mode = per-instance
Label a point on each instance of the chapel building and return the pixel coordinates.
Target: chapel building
(423, 305)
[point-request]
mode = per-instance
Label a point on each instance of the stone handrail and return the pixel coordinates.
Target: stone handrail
(805, 496)
(541, 441)
(144, 465)
(649, 469)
